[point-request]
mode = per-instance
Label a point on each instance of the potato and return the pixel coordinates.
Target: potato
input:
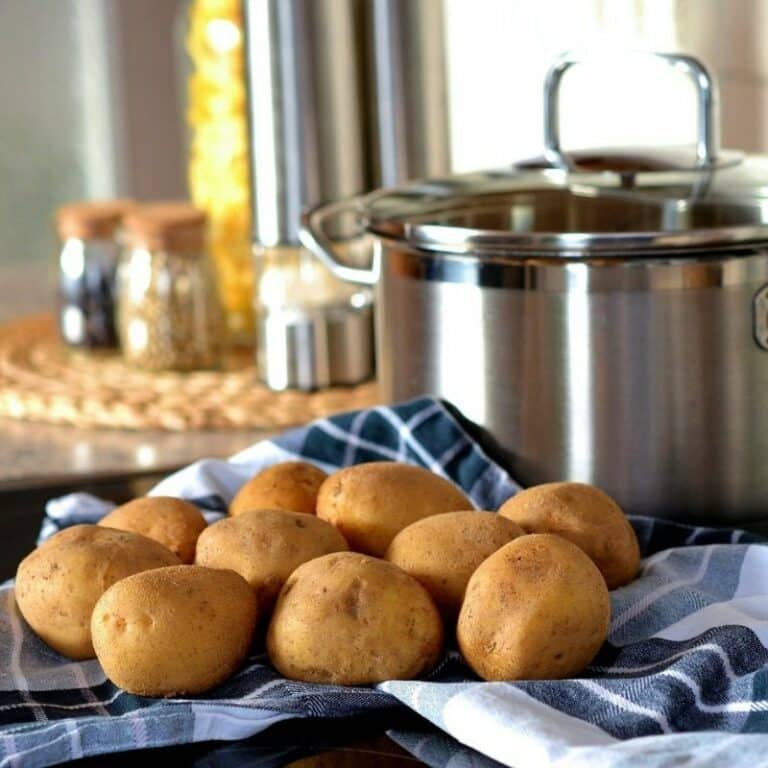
(586, 516)
(443, 551)
(173, 522)
(537, 609)
(58, 584)
(291, 486)
(172, 631)
(349, 619)
(371, 503)
(266, 546)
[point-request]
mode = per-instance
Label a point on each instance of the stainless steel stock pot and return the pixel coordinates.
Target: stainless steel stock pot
(604, 316)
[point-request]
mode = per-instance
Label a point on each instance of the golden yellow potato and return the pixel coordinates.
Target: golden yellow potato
(58, 584)
(349, 619)
(371, 503)
(443, 551)
(291, 486)
(173, 522)
(586, 516)
(172, 631)
(537, 609)
(266, 546)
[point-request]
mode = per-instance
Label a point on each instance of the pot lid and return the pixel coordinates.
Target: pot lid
(535, 213)
(622, 202)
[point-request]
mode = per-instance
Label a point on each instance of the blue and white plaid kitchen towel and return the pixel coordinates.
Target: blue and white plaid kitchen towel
(683, 678)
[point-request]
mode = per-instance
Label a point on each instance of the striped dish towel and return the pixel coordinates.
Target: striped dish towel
(683, 678)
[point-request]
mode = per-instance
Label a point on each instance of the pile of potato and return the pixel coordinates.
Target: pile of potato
(355, 577)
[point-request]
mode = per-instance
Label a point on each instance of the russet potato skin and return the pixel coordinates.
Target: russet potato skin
(266, 546)
(350, 619)
(371, 503)
(290, 486)
(537, 609)
(173, 522)
(173, 631)
(443, 551)
(58, 584)
(586, 516)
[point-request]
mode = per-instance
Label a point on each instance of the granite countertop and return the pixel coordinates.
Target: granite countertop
(33, 455)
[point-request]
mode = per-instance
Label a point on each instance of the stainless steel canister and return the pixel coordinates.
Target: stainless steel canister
(604, 318)
(408, 90)
(307, 118)
(308, 130)
(343, 95)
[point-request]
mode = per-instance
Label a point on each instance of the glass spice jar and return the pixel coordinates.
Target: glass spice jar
(170, 315)
(87, 266)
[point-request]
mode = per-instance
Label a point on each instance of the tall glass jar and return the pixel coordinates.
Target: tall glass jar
(218, 149)
(87, 265)
(169, 311)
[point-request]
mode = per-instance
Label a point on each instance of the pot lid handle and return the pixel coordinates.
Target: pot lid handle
(707, 143)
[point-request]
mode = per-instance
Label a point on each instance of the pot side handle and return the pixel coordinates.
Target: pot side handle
(314, 238)
(707, 140)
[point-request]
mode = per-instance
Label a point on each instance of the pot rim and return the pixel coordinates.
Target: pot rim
(571, 245)
(426, 232)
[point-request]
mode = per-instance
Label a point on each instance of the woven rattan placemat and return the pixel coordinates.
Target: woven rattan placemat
(42, 380)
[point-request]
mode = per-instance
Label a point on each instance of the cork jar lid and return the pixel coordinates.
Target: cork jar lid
(92, 220)
(171, 226)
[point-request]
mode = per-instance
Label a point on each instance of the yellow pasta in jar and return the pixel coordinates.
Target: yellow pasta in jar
(218, 160)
